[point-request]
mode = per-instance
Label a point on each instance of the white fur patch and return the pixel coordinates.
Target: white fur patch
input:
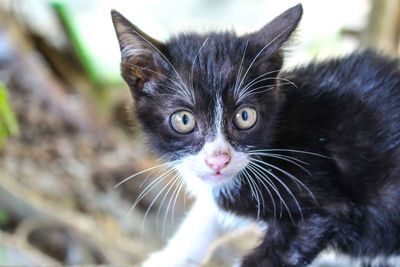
(190, 244)
(205, 222)
(195, 171)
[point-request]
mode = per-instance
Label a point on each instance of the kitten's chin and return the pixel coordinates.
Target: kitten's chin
(217, 179)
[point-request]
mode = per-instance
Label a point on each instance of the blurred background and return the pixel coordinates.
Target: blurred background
(67, 135)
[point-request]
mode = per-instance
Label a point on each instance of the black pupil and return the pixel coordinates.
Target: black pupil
(245, 115)
(185, 119)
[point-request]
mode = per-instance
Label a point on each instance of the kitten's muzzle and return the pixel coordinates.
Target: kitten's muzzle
(218, 161)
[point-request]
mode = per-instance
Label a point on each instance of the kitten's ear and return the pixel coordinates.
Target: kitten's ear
(141, 60)
(278, 31)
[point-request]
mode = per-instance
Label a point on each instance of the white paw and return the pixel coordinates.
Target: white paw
(165, 259)
(236, 264)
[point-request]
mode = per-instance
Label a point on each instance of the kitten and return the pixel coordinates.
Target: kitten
(313, 152)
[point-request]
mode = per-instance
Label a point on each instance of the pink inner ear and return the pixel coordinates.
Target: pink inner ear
(218, 161)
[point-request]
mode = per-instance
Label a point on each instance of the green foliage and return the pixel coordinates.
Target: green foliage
(3, 217)
(8, 122)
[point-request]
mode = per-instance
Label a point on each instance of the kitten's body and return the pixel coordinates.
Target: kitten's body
(313, 152)
(348, 110)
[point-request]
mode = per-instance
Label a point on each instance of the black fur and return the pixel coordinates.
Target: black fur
(345, 112)
(347, 109)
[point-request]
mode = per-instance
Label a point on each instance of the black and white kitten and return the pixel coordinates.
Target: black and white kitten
(314, 152)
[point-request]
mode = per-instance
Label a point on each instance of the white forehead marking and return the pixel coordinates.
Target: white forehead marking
(219, 112)
(193, 167)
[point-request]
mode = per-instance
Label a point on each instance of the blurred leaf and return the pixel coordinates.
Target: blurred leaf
(8, 122)
(3, 217)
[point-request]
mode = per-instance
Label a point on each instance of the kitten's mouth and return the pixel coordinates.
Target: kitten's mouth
(216, 177)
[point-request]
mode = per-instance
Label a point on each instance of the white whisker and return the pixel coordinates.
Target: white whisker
(259, 53)
(153, 184)
(180, 187)
(154, 201)
(279, 181)
(253, 171)
(165, 196)
(146, 170)
(182, 91)
(166, 59)
(239, 72)
(290, 150)
(176, 187)
(289, 157)
(284, 158)
(292, 177)
(265, 177)
(185, 97)
(244, 90)
(254, 191)
(194, 60)
(251, 83)
(254, 91)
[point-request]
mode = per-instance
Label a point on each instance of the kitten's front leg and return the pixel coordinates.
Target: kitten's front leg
(289, 245)
(189, 245)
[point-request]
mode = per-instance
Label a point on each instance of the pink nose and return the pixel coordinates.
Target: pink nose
(218, 162)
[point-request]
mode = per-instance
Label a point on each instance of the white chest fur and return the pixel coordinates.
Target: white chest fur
(190, 244)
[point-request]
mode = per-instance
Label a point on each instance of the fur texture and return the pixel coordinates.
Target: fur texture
(322, 160)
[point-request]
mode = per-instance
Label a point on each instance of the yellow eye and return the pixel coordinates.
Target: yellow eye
(183, 121)
(245, 118)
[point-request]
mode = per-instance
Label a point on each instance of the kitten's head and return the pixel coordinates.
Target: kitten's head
(207, 100)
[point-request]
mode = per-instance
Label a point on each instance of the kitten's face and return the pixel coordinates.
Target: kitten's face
(206, 117)
(206, 101)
